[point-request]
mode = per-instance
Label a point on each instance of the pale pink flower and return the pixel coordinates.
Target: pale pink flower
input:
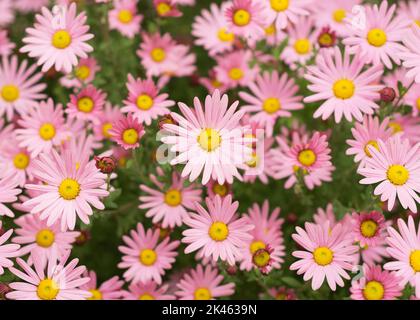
(374, 254)
(106, 118)
(27, 6)
(147, 291)
(127, 132)
(7, 15)
(411, 54)
(214, 188)
(8, 194)
(211, 83)
(124, 18)
(7, 251)
(6, 46)
(410, 10)
(368, 228)
(167, 8)
(407, 126)
(261, 163)
(83, 74)
(282, 12)
(110, 289)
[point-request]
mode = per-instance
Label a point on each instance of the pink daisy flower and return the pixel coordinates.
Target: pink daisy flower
(214, 188)
(411, 54)
(218, 231)
(7, 251)
(144, 257)
(374, 254)
(280, 12)
(83, 74)
(282, 293)
(261, 162)
(87, 104)
(368, 227)
(106, 118)
(341, 82)
(70, 188)
(407, 126)
(396, 166)
(211, 83)
(404, 249)
(7, 14)
(54, 281)
(19, 86)
(167, 8)
(203, 284)
(273, 96)
(376, 285)
(328, 254)
(367, 134)
(58, 39)
(127, 132)
(147, 291)
(124, 18)
(410, 10)
(111, 289)
(8, 194)
(169, 205)
(209, 141)
(378, 41)
(412, 98)
(322, 216)
(6, 46)
(144, 101)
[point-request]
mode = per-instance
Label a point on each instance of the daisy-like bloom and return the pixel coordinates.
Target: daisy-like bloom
(54, 281)
(6, 46)
(124, 18)
(395, 164)
(144, 101)
(111, 289)
(210, 141)
(211, 83)
(404, 249)
(167, 8)
(376, 284)
(70, 187)
(169, 205)
(367, 134)
(19, 86)
(7, 251)
(214, 188)
(374, 254)
(127, 132)
(147, 291)
(282, 293)
(273, 96)
(42, 128)
(328, 254)
(368, 227)
(7, 14)
(411, 54)
(58, 39)
(106, 118)
(261, 162)
(27, 6)
(37, 238)
(341, 82)
(83, 74)
(203, 284)
(218, 231)
(407, 126)
(280, 12)
(87, 104)
(144, 257)
(210, 29)
(378, 41)
(412, 97)
(246, 18)
(8, 194)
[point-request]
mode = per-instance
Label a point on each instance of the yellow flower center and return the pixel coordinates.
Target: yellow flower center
(339, 15)
(144, 102)
(225, 36)
(146, 296)
(85, 104)
(47, 131)
(163, 8)
(253, 162)
(105, 129)
(82, 72)
(323, 256)
(376, 37)
(148, 257)
(256, 245)
(69, 189)
(325, 39)
(209, 139)
(158, 54)
(202, 294)
(236, 74)
(368, 228)
(218, 231)
(373, 290)
(417, 22)
(261, 258)
(45, 238)
(96, 295)
(397, 174)
(21, 161)
(241, 17)
(396, 127)
(125, 16)
(130, 136)
(415, 260)
(10, 93)
(216, 83)
(302, 46)
(279, 5)
(271, 105)
(173, 198)
(344, 89)
(47, 289)
(220, 189)
(372, 143)
(418, 102)
(61, 39)
(270, 30)
(307, 157)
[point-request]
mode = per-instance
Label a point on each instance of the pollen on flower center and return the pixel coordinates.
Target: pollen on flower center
(415, 260)
(45, 238)
(397, 174)
(372, 143)
(173, 198)
(163, 8)
(323, 256)
(373, 290)
(21, 161)
(47, 131)
(82, 72)
(236, 74)
(148, 257)
(96, 295)
(85, 105)
(241, 17)
(339, 15)
(307, 157)
(125, 16)
(218, 231)
(256, 245)
(271, 105)
(146, 296)
(61, 39)
(344, 89)
(279, 5)
(202, 294)
(368, 228)
(10, 93)
(209, 139)
(105, 129)
(130, 136)
(225, 36)
(302, 46)
(144, 102)
(220, 189)
(261, 258)
(47, 289)
(376, 37)
(158, 54)
(69, 189)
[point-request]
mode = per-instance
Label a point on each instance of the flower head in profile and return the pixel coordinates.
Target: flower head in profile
(127, 132)
(110, 289)
(124, 18)
(7, 251)
(147, 291)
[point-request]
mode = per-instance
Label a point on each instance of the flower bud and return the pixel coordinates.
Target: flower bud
(387, 94)
(105, 164)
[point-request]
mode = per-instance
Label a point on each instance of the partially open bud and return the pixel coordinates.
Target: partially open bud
(387, 94)
(327, 38)
(262, 259)
(105, 164)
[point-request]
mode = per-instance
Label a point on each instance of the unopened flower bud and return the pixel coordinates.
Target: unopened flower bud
(105, 164)
(231, 270)
(327, 38)
(83, 237)
(387, 94)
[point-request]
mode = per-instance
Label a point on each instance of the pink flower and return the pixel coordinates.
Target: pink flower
(211, 83)
(144, 258)
(368, 228)
(328, 254)
(106, 118)
(214, 188)
(7, 251)
(410, 10)
(6, 46)
(280, 12)
(374, 254)
(411, 54)
(58, 40)
(341, 82)
(407, 126)
(396, 166)
(127, 132)
(167, 8)
(218, 231)
(111, 289)
(261, 162)
(147, 291)
(124, 18)
(7, 15)
(203, 284)
(8, 194)
(27, 6)
(84, 73)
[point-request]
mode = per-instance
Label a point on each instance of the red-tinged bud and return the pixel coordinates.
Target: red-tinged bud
(231, 270)
(327, 38)
(387, 94)
(105, 164)
(83, 237)
(166, 119)
(291, 218)
(4, 289)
